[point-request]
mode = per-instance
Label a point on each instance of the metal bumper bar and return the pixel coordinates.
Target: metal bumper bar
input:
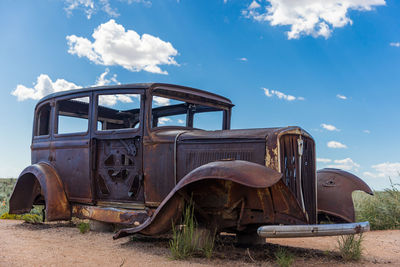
(312, 230)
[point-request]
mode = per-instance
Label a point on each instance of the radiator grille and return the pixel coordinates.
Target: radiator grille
(290, 167)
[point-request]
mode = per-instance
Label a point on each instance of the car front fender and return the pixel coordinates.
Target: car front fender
(244, 173)
(335, 188)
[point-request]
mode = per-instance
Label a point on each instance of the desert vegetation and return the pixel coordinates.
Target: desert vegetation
(382, 209)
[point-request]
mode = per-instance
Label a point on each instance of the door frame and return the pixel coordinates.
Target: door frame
(113, 134)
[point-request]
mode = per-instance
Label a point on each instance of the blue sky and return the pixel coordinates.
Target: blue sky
(331, 67)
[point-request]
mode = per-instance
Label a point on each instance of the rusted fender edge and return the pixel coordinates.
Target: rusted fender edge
(40, 179)
(335, 188)
(238, 171)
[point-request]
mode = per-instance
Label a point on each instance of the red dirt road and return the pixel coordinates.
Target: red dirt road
(58, 245)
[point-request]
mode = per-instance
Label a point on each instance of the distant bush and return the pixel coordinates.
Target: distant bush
(381, 210)
(6, 188)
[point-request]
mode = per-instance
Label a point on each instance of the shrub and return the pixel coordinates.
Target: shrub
(382, 210)
(284, 258)
(32, 218)
(350, 247)
(188, 239)
(83, 227)
(7, 216)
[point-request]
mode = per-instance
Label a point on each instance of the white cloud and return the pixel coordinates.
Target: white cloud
(335, 144)
(90, 7)
(161, 101)
(102, 79)
(367, 131)
(308, 17)
(280, 95)
(243, 59)
(387, 169)
(163, 120)
(396, 44)
(346, 164)
(113, 45)
(343, 97)
(43, 86)
(181, 121)
(329, 127)
(323, 160)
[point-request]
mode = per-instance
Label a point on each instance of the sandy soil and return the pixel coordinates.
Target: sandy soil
(23, 244)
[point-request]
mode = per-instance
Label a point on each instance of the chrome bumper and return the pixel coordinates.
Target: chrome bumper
(312, 230)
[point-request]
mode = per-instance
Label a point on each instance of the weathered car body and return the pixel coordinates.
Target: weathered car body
(127, 168)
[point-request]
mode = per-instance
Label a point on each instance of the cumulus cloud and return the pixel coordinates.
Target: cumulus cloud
(329, 127)
(161, 101)
(335, 144)
(367, 131)
(90, 7)
(346, 164)
(323, 160)
(113, 45)
(243, 59)
(44, 86)
(343, 97)
(308, 17)
(280, 95)
(385, 170)
(396, 44)
(103, 80)
(181, 121)
(163, 120)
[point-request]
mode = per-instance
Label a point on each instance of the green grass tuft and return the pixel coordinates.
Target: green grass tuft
(284, 258)
(188, 240)
(32, 218)
(350, 247)
(83, 227)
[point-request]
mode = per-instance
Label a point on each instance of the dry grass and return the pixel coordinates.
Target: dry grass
(382, 210)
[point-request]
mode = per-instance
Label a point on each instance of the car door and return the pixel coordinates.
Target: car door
(70, 147)
(117, 148)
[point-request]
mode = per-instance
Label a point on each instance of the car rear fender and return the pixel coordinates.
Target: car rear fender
(37, 180)
(335, 188)
(242, 172)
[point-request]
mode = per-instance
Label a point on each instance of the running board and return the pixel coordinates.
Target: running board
(282, 231)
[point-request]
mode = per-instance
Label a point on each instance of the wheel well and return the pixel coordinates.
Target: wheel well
(27, 192)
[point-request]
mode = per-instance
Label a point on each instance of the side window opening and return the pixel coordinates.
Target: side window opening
(118, 111)
(43, 120)
(73, 115)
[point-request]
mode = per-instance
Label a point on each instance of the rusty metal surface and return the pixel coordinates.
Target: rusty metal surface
(234, 176)
(335, 189)
(110, 214)
(40, 181)
(229, 195)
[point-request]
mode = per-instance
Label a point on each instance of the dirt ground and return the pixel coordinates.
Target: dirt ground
(22, 244)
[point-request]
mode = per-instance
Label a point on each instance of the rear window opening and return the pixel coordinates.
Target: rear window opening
(72, 115)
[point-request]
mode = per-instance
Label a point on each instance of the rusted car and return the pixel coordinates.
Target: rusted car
(134, 154)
